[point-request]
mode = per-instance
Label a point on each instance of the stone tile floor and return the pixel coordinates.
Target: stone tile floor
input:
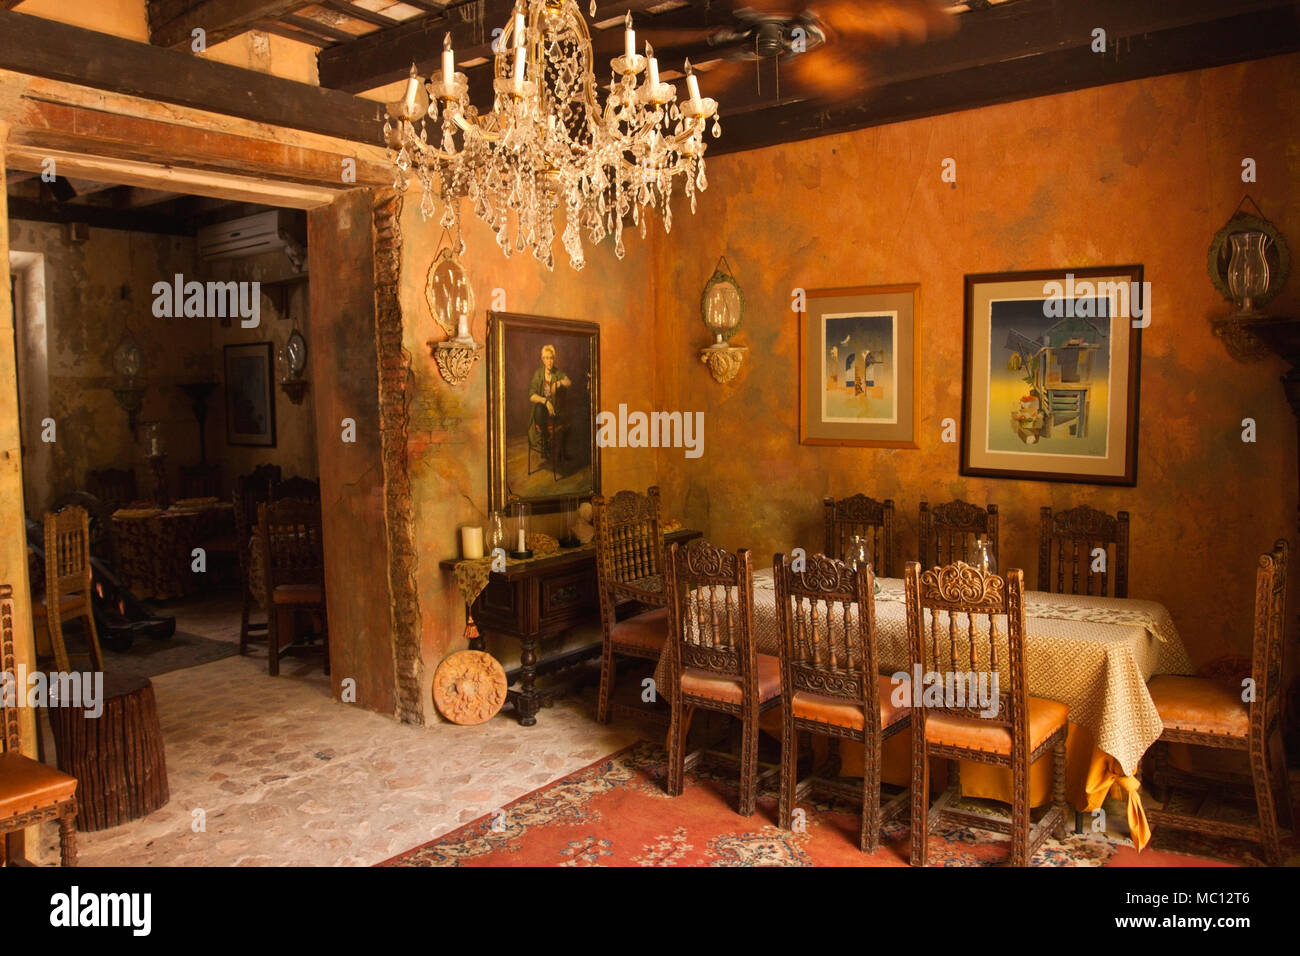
(273, 771)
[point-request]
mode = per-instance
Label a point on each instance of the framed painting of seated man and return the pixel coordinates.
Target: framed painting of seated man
(543, 395)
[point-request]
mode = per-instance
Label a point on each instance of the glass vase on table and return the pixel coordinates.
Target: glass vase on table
(981, 555)
(858, 555)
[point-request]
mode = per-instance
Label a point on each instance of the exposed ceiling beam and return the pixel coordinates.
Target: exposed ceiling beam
(1038, 70)
(172, 25)
(383, 56)
(40, 47)
(99, 216)
(360, 13)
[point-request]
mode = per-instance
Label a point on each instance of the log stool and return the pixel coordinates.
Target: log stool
(116, 757)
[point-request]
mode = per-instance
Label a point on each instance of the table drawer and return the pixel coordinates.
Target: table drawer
(566, 597)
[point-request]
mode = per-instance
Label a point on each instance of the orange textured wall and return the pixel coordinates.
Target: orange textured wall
(1142, 172)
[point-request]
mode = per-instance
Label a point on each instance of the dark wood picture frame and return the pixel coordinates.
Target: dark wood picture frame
(903, 433)
(1127, 475)
(501, 326)
(264, 401)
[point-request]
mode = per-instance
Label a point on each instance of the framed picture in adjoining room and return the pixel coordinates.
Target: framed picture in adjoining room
(859, 366)
(1052, 367)
(543, 397)
(250, 395)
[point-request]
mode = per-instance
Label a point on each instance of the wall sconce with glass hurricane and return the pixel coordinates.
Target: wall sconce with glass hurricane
(295, 364)
(451, 300)
(128, 360)
(722, 307)
(1249, 261)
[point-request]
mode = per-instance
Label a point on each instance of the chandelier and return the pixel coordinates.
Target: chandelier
(547, 145)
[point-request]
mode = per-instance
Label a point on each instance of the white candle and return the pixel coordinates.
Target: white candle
(471, 543)
(523, 542)
(462, 327)
(519, 29)
(412, 89)
(448, 60)
(629, 38)
(519, 68)
(693, 85)
(654, 72)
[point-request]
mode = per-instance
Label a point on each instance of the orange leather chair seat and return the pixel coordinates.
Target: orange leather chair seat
(27, 784)
(701, 683)
(298, 594)
(1200, 704)
(1045, 718)
(840, 713)
(647, 631)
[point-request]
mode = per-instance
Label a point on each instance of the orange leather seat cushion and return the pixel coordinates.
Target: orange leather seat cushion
(1200, 704)
(648, 630)
(1045, 717)
(27, 784)
(702, 683)
(298, 594)
(841, 713)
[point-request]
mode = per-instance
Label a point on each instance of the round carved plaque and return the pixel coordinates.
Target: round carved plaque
(469, 687)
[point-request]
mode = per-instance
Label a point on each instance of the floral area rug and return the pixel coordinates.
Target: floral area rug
(615, 813)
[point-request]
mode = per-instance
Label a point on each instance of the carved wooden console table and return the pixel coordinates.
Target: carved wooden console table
(537, 599)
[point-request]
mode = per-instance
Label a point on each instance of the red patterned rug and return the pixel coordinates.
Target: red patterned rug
(615, 813)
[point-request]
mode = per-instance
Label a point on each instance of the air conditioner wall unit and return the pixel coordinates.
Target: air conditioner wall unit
(271, 231)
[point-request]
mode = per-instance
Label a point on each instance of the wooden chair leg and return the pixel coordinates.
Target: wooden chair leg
(789, 767)
(1019, 812)
(1264, 806)
(92, 636)
(678, 724)
(273, 640)
(1277, 753)
(325, 638)
(920, 822)
(607, 670)
(55, 625)
(1058, 784)
(68, 839)
(869, 831)
(243, 621)
(748, 799)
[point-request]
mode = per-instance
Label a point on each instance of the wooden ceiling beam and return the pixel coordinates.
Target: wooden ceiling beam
(38, 47)
(378, 58)
(359, 13)
(1245, 36)
(172, 26)
(101, 217)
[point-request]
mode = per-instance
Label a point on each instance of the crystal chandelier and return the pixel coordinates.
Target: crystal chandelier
(547, 145)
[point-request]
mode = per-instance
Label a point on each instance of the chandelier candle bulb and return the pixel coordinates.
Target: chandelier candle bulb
(448, 61)
(412, 90)
(693, 85)
(654, 68)
(519, 29)
(519, 68)
(629, 39)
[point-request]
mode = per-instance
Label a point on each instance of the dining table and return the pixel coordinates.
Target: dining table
(155, 546)
(1094, 654)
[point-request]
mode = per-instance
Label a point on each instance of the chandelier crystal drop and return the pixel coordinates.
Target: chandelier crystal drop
(547, 146)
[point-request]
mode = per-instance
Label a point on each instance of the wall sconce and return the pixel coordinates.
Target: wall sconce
(128, 360)
(722, 306)
(451, 300)
(1249, 262)
(295, 363)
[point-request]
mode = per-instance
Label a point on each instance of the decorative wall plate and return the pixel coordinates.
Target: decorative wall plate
(469, 687)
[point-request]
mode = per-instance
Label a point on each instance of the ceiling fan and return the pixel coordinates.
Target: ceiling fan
(787, 51)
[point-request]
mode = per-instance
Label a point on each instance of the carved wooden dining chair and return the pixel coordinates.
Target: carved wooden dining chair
(200, 481)
(1071, 539)
(713, 660)
(68, 589)
(251, 491)
(867, 517)
(1009, 730)
(1242, 715)
(114, 486)
(831, 685)
(30, 792)
(629, 568)
(293, 570)
(948, 531)
(304, 489)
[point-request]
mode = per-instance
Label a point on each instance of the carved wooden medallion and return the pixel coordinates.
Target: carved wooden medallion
(469, 687)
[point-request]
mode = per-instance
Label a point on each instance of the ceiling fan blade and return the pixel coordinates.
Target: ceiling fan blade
(887, 22)
(831, 75)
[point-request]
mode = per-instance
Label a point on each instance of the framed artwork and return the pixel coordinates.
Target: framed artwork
(859, 366)
(1052, 362)
(250, 395)
(543, 396)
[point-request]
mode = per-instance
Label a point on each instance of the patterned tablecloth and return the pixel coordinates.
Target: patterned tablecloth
(1093, 654)
(154, 546)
